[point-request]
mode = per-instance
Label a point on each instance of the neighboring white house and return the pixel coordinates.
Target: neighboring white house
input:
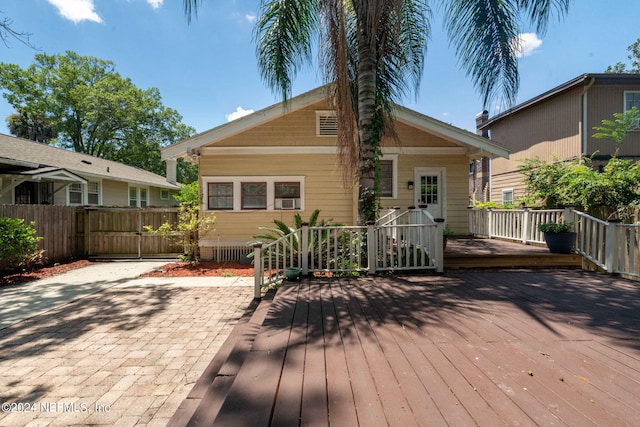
(35, 173)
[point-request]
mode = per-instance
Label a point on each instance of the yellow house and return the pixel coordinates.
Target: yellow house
(279, 161)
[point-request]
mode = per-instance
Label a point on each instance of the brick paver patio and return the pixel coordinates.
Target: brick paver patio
(125, 356)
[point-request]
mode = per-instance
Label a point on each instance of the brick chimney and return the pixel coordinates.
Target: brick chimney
(482, 118)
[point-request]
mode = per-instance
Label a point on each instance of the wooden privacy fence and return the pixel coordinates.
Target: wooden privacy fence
(120, 233)
(81, 232)
(57, 225)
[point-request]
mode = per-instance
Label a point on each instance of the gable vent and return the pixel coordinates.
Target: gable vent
(327, 124)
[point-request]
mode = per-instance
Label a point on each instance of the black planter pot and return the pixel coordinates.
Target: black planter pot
(561, 243)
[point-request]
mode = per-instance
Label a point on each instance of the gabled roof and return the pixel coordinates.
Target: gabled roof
(582, 80)
(22, 156)
(476, 145)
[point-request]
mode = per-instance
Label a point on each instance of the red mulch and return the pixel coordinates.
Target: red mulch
(176, 269)
(15, 277)
(204, 268)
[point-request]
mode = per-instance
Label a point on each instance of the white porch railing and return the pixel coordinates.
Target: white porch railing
(612, 246)
(411, 240)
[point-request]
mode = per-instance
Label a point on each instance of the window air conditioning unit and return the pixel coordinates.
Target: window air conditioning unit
(288, 203)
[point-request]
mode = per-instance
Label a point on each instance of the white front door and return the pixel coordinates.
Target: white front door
(429, 189)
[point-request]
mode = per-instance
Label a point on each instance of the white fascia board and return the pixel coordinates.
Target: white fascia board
(196, 142)
(284, 150)
(450, 133)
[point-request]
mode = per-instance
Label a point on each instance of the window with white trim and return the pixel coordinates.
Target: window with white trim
(386, 178)
(138, 197)
(238, 193)
(75, 193)
(287, 195)
(254, 195)
(164, 194)
(326, 123)
(220, 196)
(507, 196)
(388, 173)
(133, 196)
(632, 99)
(93, 193)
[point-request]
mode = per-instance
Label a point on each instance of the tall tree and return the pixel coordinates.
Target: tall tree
(92, 109)
(373, 53)
(7, 32)
(634, 57)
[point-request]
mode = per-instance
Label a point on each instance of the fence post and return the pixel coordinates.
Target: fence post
(439, 244)
(305, 248)
(526, 227)
(490, 223)
(372, 248)
(258, 270)
(611, 247)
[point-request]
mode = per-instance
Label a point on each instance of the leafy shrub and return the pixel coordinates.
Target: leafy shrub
(556, 227)
(577, 183)
(18, 242)
(190, 224)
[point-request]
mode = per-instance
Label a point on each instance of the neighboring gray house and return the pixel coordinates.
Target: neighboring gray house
(35, 173)
(556, 125)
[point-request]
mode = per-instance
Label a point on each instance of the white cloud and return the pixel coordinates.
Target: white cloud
(155, 3)
(527, 43)
(250, 17)
(240, 112)
(77, 10)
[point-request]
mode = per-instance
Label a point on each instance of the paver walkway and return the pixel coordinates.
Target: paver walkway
(125, 354)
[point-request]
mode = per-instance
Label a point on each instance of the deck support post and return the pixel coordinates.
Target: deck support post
(372, 248)
(258, 270)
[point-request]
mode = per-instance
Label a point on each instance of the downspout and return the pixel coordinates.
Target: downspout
(585, 130)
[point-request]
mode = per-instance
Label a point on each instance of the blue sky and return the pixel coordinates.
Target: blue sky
(207, 70)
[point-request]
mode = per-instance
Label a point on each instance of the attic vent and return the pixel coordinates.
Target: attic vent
(86, 162)
(326, 123)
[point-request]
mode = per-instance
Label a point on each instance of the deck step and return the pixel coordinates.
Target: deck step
(214, 384)
(538, 260)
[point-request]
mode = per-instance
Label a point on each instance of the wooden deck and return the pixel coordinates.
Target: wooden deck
(469, 348)
(495, 253)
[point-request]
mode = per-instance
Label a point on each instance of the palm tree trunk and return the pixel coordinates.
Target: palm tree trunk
(369, 139)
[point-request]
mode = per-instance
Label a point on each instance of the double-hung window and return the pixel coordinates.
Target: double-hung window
(254, 195)
(75, 193)
(220, 196)
(138, 197)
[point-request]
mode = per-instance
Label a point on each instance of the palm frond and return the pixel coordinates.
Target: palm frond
(283, 36)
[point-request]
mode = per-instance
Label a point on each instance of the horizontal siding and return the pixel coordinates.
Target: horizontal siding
(551, 130)
(115, 193)
(457, 190)
(323, 190)
(512, 181)
(295, 129)
(603, 102)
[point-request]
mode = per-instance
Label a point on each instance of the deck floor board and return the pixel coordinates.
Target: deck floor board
(467, 348)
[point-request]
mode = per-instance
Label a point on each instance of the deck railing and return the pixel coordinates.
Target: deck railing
(611, 246)
(411, 240)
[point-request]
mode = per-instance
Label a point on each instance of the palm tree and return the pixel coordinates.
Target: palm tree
(372, 52)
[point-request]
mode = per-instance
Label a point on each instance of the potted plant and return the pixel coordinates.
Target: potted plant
(559, 236)
(447, 233)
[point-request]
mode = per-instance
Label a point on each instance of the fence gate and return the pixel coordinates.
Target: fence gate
(119, 233)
